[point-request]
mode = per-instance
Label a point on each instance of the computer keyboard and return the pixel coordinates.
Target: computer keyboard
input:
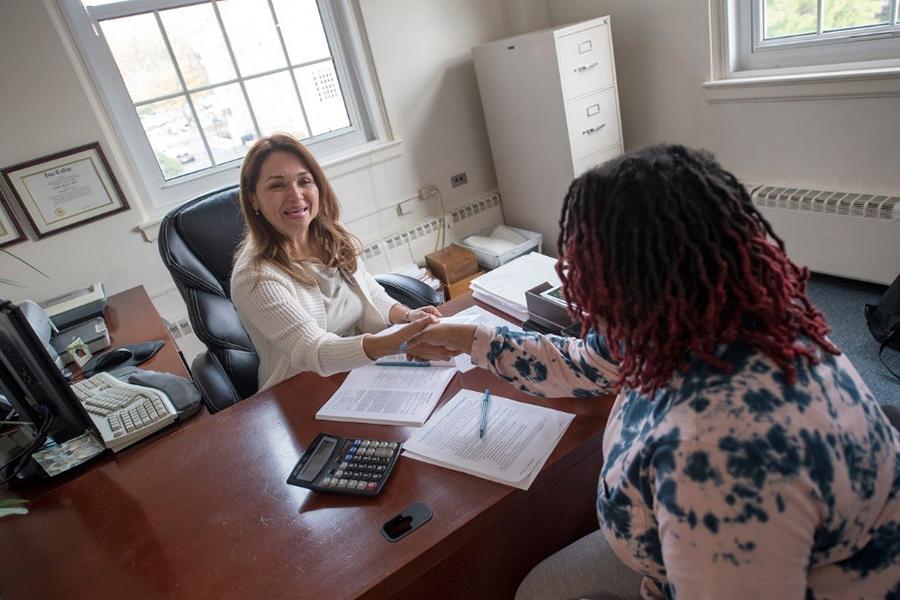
(124, 413)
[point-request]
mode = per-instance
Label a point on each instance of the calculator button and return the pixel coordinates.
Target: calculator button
(361, 485)
(342, 483)
(326, 482)
(392, 445)
(343, 465)
(352, 483)
(339, 473)
(372, 485)
(366, 442)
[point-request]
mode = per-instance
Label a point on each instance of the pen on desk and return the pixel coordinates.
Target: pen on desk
(484, 408)
(402, 363)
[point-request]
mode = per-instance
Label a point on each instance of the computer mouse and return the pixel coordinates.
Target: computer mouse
(112, 359)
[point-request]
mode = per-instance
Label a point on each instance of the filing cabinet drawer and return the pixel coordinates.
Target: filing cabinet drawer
(593, 123)
(593, 160)
(584, 61)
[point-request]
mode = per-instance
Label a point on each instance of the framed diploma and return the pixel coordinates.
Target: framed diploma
(10, 232)
(66, 189)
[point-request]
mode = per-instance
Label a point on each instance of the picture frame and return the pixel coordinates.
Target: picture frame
(66, 189)
(10, 230)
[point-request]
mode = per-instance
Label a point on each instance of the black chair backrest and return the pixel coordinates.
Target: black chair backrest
(197, 242)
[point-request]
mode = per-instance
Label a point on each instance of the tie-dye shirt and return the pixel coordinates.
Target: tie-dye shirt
(733, 485)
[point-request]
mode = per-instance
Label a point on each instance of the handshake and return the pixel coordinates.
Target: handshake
(426, 338)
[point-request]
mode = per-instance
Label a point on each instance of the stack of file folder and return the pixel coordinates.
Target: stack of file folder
(504, 288)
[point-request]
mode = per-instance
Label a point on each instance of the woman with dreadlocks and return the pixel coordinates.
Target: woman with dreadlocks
(744, 456)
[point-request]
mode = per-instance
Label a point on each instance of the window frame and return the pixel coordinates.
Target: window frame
(352, 65)
(860, 47)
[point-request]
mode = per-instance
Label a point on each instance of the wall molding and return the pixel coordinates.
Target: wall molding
(864, 83)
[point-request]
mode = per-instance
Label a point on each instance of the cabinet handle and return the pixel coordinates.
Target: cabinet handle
(593, 129)
(585, 67)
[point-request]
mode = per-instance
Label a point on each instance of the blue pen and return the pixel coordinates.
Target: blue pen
(402, 363)
(484, 408)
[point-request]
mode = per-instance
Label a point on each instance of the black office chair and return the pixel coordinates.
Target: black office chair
(197, 242)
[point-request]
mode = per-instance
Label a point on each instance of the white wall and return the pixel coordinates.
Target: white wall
(421, 54)
(662, 59)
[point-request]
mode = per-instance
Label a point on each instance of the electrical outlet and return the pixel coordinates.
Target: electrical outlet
(459, 179)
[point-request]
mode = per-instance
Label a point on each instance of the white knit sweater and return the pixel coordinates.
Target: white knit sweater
(287, 323)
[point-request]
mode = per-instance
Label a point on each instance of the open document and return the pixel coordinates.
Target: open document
(387, 395)
(475, 315)
(518, 438)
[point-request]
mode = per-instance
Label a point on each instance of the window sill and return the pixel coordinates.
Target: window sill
(864, 83)
(337, 165)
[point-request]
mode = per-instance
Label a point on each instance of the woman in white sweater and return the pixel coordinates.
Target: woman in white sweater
(298, 283)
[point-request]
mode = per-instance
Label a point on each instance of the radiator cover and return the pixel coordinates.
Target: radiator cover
(854, 235)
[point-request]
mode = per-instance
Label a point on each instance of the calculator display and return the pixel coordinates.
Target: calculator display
(317, 460)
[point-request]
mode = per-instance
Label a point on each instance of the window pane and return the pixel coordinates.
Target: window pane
(174, 136)
(844, 14)
(198, 45)
(301, 27)
(322, 97)
(276, 106)
(226, 121)
(790, 17)
(253, 37)
(137, 45)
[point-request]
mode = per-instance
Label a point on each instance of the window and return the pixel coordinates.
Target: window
(190, 84)
(814, 35)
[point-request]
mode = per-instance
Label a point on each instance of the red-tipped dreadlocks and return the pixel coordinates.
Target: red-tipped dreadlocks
(666, 254)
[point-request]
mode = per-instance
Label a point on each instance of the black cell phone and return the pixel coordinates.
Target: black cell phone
(338, 465)
(409, 519)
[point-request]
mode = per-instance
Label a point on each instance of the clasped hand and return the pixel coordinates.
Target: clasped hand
(440, 341)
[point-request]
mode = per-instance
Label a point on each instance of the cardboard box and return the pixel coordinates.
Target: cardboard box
(458, 288)
(452, 264)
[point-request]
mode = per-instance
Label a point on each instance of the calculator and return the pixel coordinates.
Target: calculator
(345, 466)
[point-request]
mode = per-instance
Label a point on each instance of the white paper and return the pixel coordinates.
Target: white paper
(475, 315)
(387, 395)
(504, 288)
(518, 438)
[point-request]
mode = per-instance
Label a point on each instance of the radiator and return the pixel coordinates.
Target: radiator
(411, 244)
(853, 235)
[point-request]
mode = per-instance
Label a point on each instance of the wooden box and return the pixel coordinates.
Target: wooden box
(452, 264)
(458, 288)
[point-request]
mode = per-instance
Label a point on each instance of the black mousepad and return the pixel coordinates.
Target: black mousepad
(124, 356)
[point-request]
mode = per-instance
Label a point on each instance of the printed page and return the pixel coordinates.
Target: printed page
(518, 438)
(387, 395)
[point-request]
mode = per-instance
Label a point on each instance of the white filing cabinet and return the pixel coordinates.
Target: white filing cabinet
(552, 111)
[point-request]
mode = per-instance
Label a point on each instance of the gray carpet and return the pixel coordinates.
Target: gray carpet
(843, 302)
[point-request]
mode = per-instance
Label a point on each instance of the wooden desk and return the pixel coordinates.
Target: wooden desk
(204, 512)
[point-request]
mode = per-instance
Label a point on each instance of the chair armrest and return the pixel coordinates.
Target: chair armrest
(215, 386)
(409, 290)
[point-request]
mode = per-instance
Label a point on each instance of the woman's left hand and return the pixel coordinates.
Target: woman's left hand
(417, 313)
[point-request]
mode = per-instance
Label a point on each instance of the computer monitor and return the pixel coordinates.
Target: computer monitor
(33, 383)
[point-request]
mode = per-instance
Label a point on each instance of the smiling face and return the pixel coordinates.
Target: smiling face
(287, 196)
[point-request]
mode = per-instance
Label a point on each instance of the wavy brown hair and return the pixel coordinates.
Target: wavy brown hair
(668, 257)
(330, 242)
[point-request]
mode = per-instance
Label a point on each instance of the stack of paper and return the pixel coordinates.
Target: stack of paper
(517, 441)
(387, 395)
(504, 288)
